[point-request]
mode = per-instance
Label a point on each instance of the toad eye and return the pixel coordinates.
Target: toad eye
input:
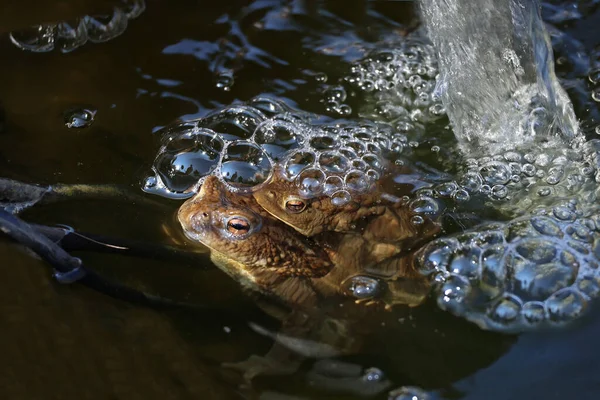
(295, 206)
(238, 226)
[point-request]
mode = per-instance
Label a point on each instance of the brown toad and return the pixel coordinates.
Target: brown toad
(384, 220)
(268, 257)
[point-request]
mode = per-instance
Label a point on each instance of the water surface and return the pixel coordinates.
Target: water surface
(175, 61)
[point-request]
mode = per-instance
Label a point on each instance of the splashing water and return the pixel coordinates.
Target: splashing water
(497, 80)
(528, 160)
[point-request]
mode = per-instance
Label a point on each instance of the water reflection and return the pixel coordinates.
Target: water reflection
(139, 344)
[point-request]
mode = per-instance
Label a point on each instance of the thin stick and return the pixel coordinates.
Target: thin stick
(18, 196)
(71, 240)
(68, 266)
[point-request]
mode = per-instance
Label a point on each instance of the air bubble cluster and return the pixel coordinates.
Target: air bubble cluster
(245, 144)
(69, 35)
(398, 83)
(538, 270)
(519, 178)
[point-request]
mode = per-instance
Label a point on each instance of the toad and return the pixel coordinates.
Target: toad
(270, 258)
(308, 276)
(380, 217)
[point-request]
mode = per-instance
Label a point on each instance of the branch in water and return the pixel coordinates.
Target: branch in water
(69, 268)
(17, 196)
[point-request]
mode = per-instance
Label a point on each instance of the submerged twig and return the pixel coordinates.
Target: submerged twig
(17, 196)
(69, 268)
(71, 240)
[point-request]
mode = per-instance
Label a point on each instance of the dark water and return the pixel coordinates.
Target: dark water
(70, 342)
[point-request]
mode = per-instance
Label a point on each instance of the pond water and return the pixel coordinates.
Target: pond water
(184, 60)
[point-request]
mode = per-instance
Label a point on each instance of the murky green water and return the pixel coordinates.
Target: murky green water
(69, 342)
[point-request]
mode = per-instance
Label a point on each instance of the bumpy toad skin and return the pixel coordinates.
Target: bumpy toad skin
(257, 250)
(268, 257)
(380, 220)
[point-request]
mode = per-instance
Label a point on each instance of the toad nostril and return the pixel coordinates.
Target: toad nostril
(205, 215)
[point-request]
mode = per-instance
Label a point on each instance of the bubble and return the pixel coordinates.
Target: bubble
(425, 205)
(336, 93)
(362, 287)
(277, 137)
(589, 286)
(348, 153)
(493, 270)
(188, 157)
(268, 106)
(537, 251)
(344, 110)
(224, 80)
(323, 142)
(529, 170)
(245, 164)
(298, 161)
(446, 189)
(400, 83)
(513, 156)
(542, 160)
(333, 162)
(417, 220)
(453, 292)
(79, 117)
(437, 110)
(71, 36)
(536, 282)
(555, 174)
(596, 248)
(373, 375)
(373, 175)
(408, 393)
(356, 181)
(596, 94)
(563, 213)
(499, 192)
(234, 123)
(544, 191)
(373, 161)
(358, 146)
(39, 38)
(465, 263)
(461, 196)
(340, 198)
(579, 232)
(495, 173)
(133, 8)
(565, 305)
(546, 226)
(333, 184)
(485, 189)
(578, 247)
(436, 256)
(102, 28)
(310, 182)
(320, 77)
(405, 127)
(594, 76)
(505, 310)
(358, 164)
(534, 312)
